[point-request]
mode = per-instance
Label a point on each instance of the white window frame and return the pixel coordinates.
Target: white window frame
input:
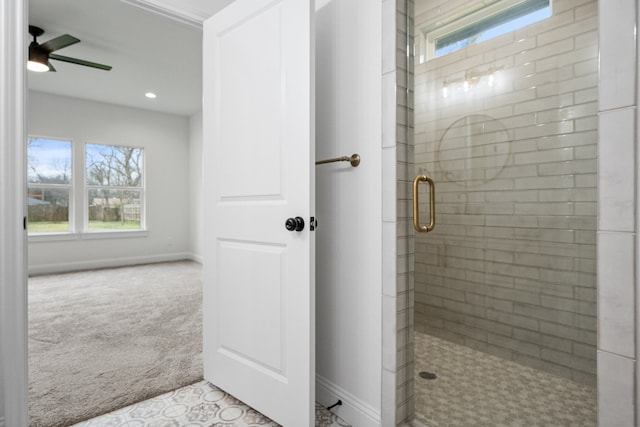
(79, 198)
(87, 187)
(70, 186)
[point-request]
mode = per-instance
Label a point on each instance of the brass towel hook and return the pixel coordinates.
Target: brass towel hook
(354, 160)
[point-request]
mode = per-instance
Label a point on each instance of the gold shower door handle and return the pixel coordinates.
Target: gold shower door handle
(432, 204)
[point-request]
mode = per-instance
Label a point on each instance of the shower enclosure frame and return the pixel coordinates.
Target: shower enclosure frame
(618, 225)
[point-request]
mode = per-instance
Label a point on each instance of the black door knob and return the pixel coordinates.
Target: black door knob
(294, 224)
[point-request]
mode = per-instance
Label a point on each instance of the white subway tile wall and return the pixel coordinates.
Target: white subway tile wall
(510, 268)
(618, 230)
(615, 390)
(404, 164)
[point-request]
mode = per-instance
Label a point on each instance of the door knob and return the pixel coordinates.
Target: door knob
(294, 224)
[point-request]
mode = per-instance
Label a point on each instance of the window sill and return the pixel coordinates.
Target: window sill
(121, 234)
(91, 235)
(51, 237)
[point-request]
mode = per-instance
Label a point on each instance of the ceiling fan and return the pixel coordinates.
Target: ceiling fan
(40, 54)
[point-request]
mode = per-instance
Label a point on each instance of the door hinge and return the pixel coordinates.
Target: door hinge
(313, 223)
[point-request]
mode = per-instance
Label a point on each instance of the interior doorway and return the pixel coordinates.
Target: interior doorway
(95, 114)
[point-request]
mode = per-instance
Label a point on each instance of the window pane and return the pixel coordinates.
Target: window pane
(489, 25)
(48, 210)
(113, 166)
(114, 210)
(48, 161)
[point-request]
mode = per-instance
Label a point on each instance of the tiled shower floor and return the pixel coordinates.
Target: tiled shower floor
(476, 389)
(197, 405)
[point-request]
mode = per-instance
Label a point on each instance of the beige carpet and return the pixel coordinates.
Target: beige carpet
(104, 339)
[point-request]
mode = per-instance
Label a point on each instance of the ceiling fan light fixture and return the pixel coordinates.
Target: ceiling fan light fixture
(38, 60)
(40, 54)
(38, 67)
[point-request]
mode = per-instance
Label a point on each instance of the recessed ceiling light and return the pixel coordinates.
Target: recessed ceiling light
(150, 95)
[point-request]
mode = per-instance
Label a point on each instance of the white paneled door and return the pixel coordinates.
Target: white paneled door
(258, 311)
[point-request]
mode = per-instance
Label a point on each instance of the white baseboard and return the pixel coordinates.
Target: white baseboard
(353, 410)
(106, 263)
(196, 257)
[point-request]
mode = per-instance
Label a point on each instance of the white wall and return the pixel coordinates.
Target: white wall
(165, 139)
(349, 209)
(195, 186)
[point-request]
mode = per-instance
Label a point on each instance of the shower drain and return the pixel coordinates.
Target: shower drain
(427, 375)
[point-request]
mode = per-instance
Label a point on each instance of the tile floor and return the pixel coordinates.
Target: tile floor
(476, 389)
(471, 389)
(198, 405)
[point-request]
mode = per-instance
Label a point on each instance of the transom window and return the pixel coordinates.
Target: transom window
(492, 21)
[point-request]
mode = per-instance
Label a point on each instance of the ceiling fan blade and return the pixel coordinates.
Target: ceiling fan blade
(59, 42)
(50, 65)
(80, 62)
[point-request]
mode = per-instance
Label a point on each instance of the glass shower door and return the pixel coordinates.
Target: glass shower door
(505, 123)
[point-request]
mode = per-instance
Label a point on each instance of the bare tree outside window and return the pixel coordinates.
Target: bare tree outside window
(112, 192)
(114, 180)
